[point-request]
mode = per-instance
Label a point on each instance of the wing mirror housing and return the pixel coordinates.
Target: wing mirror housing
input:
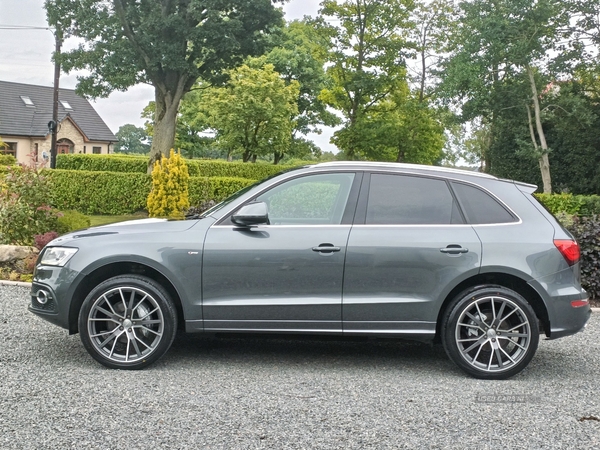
(251, 214)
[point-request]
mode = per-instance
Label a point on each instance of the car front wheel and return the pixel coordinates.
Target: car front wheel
(490, 332)
(127, 322)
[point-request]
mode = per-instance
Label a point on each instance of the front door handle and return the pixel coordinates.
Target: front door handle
(326, 248)
(454, 249)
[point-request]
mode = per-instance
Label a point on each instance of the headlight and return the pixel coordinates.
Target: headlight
(57, 256)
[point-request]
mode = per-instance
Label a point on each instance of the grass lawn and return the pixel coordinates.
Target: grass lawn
(104, 220)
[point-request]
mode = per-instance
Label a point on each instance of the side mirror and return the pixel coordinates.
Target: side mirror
(251, 214)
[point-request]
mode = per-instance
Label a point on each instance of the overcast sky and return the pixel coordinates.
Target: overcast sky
(25, 57)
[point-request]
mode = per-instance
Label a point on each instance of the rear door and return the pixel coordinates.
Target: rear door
(408, 247)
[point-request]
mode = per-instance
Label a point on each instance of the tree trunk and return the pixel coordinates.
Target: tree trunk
(543, 159)
(165, 121)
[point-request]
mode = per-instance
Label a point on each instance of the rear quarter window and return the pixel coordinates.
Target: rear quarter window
(479, 207)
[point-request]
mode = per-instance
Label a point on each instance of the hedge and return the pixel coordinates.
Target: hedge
(7, 160)
(583, 205)
(587, 232)
(110, 193)
(196, 168)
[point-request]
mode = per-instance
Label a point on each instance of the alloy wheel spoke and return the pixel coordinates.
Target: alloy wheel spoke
(499, 357)
(481, 342)
(476, 320)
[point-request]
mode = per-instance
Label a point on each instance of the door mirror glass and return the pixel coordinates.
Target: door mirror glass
(251, 214)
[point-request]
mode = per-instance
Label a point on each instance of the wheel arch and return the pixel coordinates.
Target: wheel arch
(502, 279)
(112, 269)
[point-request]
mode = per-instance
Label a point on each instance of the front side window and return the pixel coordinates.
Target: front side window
(310, 200)
(410, 200)
(96, 150)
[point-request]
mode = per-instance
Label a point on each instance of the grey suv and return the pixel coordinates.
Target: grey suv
(343, 249)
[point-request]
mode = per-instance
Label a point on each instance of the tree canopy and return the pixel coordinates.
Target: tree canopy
(169, 44)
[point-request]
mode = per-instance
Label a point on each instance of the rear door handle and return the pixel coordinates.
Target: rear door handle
(326, 248)
(454, 250)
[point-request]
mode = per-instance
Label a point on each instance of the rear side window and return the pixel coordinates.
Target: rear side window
(410, 200)
(480, 207)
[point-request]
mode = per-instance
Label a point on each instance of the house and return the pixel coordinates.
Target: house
(25, 111)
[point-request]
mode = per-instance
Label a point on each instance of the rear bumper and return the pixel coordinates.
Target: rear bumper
(573, 320)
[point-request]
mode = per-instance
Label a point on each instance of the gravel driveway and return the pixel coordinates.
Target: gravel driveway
(260, 393)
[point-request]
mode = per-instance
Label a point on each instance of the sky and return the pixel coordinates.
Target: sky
(25, 57)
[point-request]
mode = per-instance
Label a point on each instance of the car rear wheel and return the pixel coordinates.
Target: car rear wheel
(127, 322)
(490, 332)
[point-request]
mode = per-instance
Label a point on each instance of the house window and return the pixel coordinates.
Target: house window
(9, 149)
(84, 149)
(66, 105)
(27, 100)
(96, 150)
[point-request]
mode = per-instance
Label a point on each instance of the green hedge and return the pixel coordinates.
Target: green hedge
(196, 168)
(7, 160)
(583, 205)
(112, 193)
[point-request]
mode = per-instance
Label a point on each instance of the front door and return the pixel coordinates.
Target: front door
(285, 276)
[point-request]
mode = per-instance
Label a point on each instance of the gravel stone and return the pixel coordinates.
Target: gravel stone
(257, 393)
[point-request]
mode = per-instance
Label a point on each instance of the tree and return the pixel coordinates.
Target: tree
(299, 53)
(169, 44)
(366, 62)
(132, 139)
(252, 113)
(503, 44)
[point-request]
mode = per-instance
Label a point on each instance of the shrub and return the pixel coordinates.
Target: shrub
(587, 232)
(7, 160)
(41, 240)
(99, 192)
(24, 206)
(196, 168)
(590, 205)
(169, 194)
(561, 203)
(72, 221)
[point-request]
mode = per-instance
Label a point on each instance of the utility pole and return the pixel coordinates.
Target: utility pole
(54, 127)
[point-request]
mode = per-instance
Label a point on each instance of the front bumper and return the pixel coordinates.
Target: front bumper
(51, 294)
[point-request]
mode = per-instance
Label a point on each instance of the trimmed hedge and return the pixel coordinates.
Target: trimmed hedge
(583, 205)
(196, 168)
(112, 193)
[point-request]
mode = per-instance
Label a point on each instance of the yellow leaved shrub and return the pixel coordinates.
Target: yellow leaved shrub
(169, 193)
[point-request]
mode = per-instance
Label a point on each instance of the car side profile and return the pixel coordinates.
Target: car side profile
(340, 249)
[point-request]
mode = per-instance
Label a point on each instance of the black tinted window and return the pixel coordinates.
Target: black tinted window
(480, 207)
(406, 200)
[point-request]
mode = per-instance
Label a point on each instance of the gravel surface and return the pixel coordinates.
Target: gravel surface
(287, 394)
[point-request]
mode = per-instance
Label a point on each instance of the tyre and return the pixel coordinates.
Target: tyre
(490, 332)
(127, 322)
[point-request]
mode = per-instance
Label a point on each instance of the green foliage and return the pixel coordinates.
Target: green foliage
(24, 206)
(196, 168)
(204, 189)
(169, 193)
(569, 204)
(168, 44)
(561, 203)
(587, 232)
(105, 163)
(366, 62)
(72, 221)
(253, 112)
(94, 192)
(7, 160)
(132, 139)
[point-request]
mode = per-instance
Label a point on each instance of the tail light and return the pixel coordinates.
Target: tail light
(569, 249)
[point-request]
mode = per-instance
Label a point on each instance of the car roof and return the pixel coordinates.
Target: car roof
(370, 165)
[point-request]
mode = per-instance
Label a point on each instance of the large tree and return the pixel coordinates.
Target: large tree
(504, 49)
(369, 41)
(169, 44)
(132, 139)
